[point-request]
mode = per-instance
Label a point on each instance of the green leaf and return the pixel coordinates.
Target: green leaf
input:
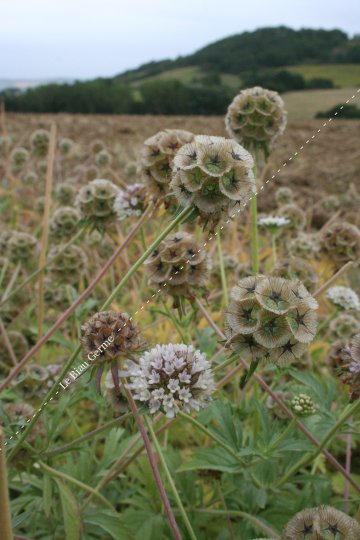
(47, 495)
(71, 515)
(215, 459)
(109, 522)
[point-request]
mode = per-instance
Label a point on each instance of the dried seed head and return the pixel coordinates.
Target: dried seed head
(30, 178)
(31, 382)
(20, 247)
(96, 201)
(40, 143)
(103, 159)
(256, 117)
(172, 378)
(181, 264)
(303, 405)
(65, 193)
(270, 319)
(156, 159)
(295, 215)
(214, 175)
(284, 195)
(19, 346)
(39, 205)
(64, 222)
(19, 156)
(66, 146)
(125, 336)
(96, 146)
(69, 265)
(304, 245)
(341, 241)
(130, 202)
(344, 326)
(296, 268)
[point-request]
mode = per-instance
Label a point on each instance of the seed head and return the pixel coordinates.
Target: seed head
(214, 175)
(344, 326)
(284, 195)
(19, 346)
(96, 201)
(65, 146)
(30, 178)
(69, 266)
(65, 193)
(19, 156)
(64, 222)
(341, 241)
(296, 268)
(256, 117)
(304, 245)
(172, 378)
(103, 159)
(20, 247)
(295, 215)
(303, 405)
(40, 143)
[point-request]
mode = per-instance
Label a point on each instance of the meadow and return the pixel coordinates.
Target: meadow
(225, 402)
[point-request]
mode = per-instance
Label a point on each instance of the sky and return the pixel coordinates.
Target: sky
(83, 39)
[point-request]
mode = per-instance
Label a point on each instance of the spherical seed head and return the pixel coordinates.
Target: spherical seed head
(270, 319)
(156, 158)
(332, 523)
(303, 405)
(65, 193)
(284, 195)
(39, 205)
(172, 378)
(295, 215)
(19, 156)
(344, 326)
(96, 146)
(130, 202)
(40, 143)
(31, 382)
(215, 176)
(341, 241)
(30, 178)
(256, 117)
(296, 268)
(96, 201)
(303, 245)
(103, 158)
(126, 336)
(69, 266)
(65, 146)
(19, 346)
(355, 348)
(20, 247)
(179, 266)
(64, 222)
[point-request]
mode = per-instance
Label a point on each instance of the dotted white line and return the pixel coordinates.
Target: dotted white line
(146, 302)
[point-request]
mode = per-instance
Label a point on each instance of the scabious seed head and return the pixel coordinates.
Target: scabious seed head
(19, 346)
(295, 215)
(103, 159)
(96, 202)
(284, 195)
(31, 382)
(64, 222)
(344, 297)
(304, 245)
(126, 339)
(19, 156)
(215, 176)
(321, 523)
(20, 247)
(341, 241)
(130, 202)
(156, 159)
(30, 178)
(69, 266)
(66, 146)
(58, 297)
(256, 117)
(172, 378)
(324, 210)
(179, 266)
(40, 143)
(344, 326)
(303, 405)
(39, 205)
(271, 319)
(296, 268)
(96, 146)
(65, 193)
(41, 167)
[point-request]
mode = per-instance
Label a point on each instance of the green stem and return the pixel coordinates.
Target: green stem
(254, 222)
(308, 458)
(85, 487)
(210, 435)
(42, 268)
(222, 268)
(175, 322)
(273, 246)
(170, 479)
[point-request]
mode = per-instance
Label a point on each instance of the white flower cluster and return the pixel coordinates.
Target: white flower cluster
(129, 203)
(344, 297)
(172, 378)
(273, 221)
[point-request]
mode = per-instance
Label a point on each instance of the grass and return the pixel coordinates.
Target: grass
(303, 105)
(342, 75)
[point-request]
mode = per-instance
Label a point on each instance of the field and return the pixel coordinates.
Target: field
(142, 396)
(342, 75)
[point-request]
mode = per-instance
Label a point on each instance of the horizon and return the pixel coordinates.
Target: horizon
(87, 40)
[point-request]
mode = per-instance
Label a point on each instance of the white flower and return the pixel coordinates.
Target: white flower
(171, 378)
(273, 222)
(344, 297)
(130, 202)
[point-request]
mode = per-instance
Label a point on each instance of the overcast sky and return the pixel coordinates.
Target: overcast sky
(89, 38)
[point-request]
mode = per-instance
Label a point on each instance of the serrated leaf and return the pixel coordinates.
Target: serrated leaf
(215, 459)
(109, 522)
(71, 515)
